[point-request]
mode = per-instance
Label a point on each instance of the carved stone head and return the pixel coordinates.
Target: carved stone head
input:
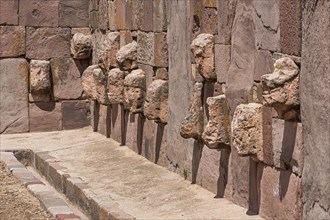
(81, 46)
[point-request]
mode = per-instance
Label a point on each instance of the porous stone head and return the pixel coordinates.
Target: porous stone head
(281, 89)
(109, 49)
(40, 77)
(116, 86)
(203, 49)
(127, 56)
(81, 46)
(135, 88)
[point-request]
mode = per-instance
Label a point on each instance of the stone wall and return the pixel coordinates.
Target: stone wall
(40, 81)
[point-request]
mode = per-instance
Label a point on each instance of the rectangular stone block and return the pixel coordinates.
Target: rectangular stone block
(102, 15)
(125, 38)
(85, 31)
(93, 19)
(123, 14)
(116, 121)
(209, 23)
(103, 124)
(263, 64)
(226, 15)
(9, 12)
(112, 16)
(76, 114)
(137, 16)
(290, 26)
(159, 16)
(195, 14)
(210, 3)
(160, 50)
(222, 62)
(146, 46)
(73, 13)
(46, 43)
(45, 116)
(38, 13)
(66, 74)
(14, 109)
(12, 41)
(39, 97)
(147, 16)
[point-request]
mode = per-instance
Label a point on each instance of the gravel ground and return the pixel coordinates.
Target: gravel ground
(16, 203)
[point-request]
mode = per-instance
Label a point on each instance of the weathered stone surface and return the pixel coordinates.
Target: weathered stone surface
(81, 46)
(147, 16)
(137, 16)
(76, 114)
(66, 74)
(209, 23)
(161, 73)
(290, 26)
(156, 101)
(263, 64)
(9, 12)
(226, 15)
(193, 124)
(97, 42)
(247, 130)
(123, 16)
(82, 30)
(267, 22)
(216, 134)
(135, 87)
(159, 16)
(93, 19)
(315, 108)
(45, 43)
(127, 56)
(222, 62)
(160, 50)
(146, 47)
(39, 97)
(108, 50)
(126, 37)
(102, 15)
(203, 50)
(195, 21)
(195, 74)
(149, 71)
(256, 93)
(45, 116)
(281, 89)
(14, 107)
(210, 3)
(40, 76)
(73, 13)
(38, 13)
(116, 86)
(94, 84)
(12, 41)
(112, 16)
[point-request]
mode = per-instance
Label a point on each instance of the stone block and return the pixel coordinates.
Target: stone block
(39, 13)
(127, 56)
(247, 130)
(116, 123)
(93, 20)
(45, 116)
(14, 107)
(226, 15)
(290, 26)
(12, 41)
(160, 50)
(46, 43)
(103, 125)
(156, 101)
(102, 15)
(146, 47)
(9, 12)
(196, 13)
(209, 22)
(116, 86)
(112, 16)
(66, 74)
(108, 50)
(40, 97)
(263, 64)
(193, 124)
(40, 77)
(137, 15)
(203, 50)
(135, 87)
(216, 134)
(73, 13)
(81, 46)
(161, 73)
(159, 16)
(147, 16)
(222, 62)
(281, 89)
(76, 114)
(267, 23)
(149, 71)
(97, 44)
(210, 3)
(195, 74)
(123, 16)
(125, 38)
(85, 31)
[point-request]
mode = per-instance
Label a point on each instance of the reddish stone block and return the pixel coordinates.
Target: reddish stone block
(222, 62)
(137, 16)
(147, 19)
(45, 116)
(146, 47)
(12, 41)
(159, 16)
(38, 13)
(9, 12)
(93, 19)
(125, 38)
(102, 15)
(112, 16)
(160, 50)
(73, 13)
(209, 22)
(196, 13)
(76, 114)
(210, 3)
(226, 15)
(263, 64)
(123, 14)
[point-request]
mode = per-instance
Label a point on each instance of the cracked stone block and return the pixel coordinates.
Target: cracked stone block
(112, 16)
(123, 14)
(281, 89)
(203, 50)
(135, 87)
(216, 134)
(12, 41)
(156, 101)
(102, 15)
(73, 13)
(193, 124)
(127, 56)
(14, 116)
(160, 50)
(145, 47)
(247, 130)
(81, 46)
(9, 12)
(94, 84)
(40, 77)
(108, 50)
(159, 16)
(116, 86)
(210, 21)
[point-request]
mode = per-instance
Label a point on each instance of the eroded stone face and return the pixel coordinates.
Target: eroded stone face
(81, 46)
(135, 87)
(217, 131)
(156, 102)
(94, 84)
(193, 124)
(116, 86)
(203, 50)
(127, 56)
(39, 77)
(281, 89)
(109, 48)
(247, 130)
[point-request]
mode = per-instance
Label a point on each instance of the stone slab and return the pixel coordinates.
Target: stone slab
(76, 114)
(45, 116)
(73, 13)
(12, 41)
(9, 12)
(222, 62)
(209, 23)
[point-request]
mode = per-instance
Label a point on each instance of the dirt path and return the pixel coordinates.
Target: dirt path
(16, 203)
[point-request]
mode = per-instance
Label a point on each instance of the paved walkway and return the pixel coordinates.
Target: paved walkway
(141, 188)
